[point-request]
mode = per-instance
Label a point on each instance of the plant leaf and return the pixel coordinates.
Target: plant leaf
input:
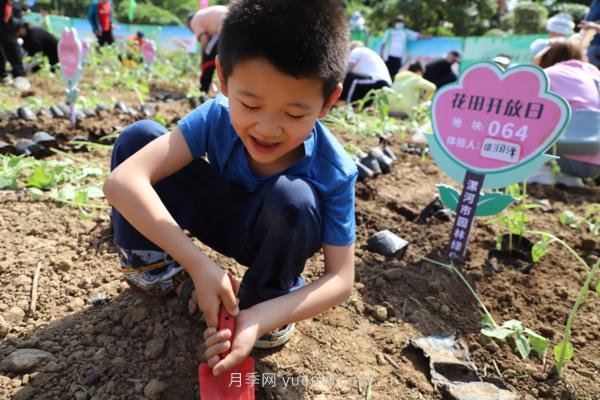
(35, 193)
(486, 321)
(449, 196)
(522, 345)
(66, 193)
(537, 341)
(39, 178)
(497, 333)
(513, 324)
(598, 287)
(492, 203)
(563, 348)
(93, 192)
(539, 249)
(567, 217)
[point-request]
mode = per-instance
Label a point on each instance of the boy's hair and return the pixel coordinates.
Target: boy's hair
(416, 67)
(304, 39)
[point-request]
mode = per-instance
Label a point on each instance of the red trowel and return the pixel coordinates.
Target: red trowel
(235, 384)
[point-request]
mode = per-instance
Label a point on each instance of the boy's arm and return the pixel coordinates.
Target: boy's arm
(129, 189)
(315, 298)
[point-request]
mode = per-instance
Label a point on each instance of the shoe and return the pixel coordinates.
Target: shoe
(21, 83)
(569, 180)
(7, 80)
(276, 338)
(543, 176)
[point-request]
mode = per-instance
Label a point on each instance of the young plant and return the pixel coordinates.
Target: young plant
(68, 181)
(563, 351)
(525, 338)
(591, 219)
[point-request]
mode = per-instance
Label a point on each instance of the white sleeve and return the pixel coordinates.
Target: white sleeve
(412, 35)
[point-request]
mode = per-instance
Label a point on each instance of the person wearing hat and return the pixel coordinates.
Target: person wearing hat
(560, 26)
(38, 40)
(395, 39)
(206, 25)
(358, 30)
(441, 72)
(9, 46)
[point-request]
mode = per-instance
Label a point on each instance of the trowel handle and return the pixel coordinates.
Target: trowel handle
(226, 320)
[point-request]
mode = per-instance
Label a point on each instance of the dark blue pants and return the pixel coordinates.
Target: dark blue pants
(273, 231)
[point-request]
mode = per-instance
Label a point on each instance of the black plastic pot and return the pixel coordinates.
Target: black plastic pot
(28, 147)
(517, 253)
(7, 148)
(148, 110)
(385, 162)
(26, 114)
(45, 140)
(44, 113)
(364, 172)
(57, 112)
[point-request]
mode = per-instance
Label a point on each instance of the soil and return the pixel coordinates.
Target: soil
(107, 342)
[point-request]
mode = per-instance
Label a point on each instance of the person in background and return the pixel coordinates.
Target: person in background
(9, 47)
(358, 31)
(393, 49)
(206, 25)
(578, 82)
(560, 26)
(37, 40)
(100, 18)
(412, 90)
(593, 51)
(441, 72)
(365, 71)
(503, 60)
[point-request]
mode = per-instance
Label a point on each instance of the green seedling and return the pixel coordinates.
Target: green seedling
(525, 339)
(564, 351)
(591, 219)
(70, 181)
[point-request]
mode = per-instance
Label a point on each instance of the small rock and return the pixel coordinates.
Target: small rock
(380, 313)
(380, 359)
(154, 348)
(4, 328)
(81, 395)
(25, 393)
(13, 316)
(154, 388)
(444, 309)
(387, 243)
(64, 264)
(24, 360)
(320, 387)
(138, 314)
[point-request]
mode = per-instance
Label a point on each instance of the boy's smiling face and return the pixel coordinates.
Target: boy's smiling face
(272, 112)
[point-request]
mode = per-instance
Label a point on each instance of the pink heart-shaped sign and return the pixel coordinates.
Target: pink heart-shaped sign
(70, 53)
(494, 120)
(149, 51)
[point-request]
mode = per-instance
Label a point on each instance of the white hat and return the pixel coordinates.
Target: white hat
(561, 23)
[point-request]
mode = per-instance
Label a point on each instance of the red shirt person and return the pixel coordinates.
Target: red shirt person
(100, 18)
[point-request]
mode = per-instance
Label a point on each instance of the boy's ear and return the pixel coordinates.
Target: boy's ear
(222, 80)
(331, 101)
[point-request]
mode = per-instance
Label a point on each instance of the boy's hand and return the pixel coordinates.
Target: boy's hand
(213, 288)
(246, 334)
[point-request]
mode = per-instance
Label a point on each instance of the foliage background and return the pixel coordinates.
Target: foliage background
(436, 17)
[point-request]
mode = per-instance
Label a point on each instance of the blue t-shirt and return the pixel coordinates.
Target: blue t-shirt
(594, 15)
(325, 165)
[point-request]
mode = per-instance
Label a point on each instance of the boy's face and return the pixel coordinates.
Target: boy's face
(273, 113)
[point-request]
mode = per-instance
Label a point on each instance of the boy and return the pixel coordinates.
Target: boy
(277, 186)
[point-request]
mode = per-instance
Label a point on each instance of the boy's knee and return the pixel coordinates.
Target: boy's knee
(139, 134)
(291, 201)
(134, 137)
